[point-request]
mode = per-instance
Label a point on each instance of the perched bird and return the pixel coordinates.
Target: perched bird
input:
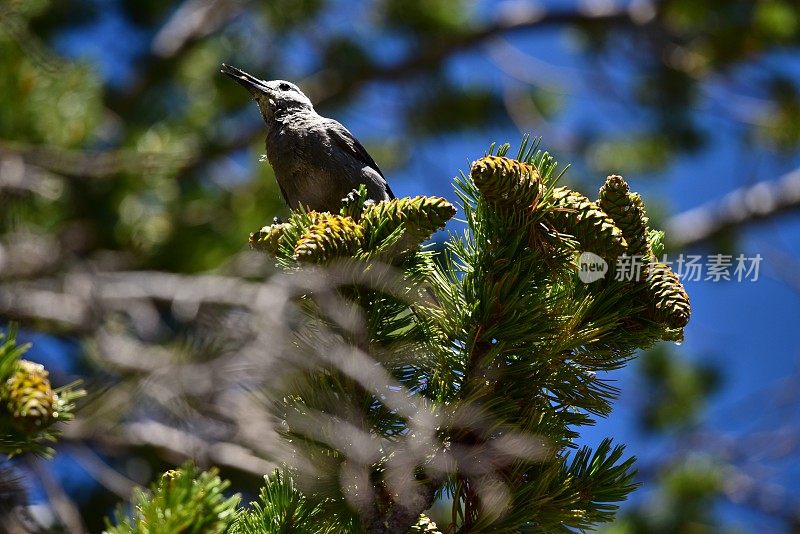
(317, 161)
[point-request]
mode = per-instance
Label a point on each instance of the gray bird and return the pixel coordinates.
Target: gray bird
(316, 160)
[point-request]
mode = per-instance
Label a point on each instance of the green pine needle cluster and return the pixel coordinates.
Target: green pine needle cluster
(182, 501)
(29, 405)
(663, 299)
(363, 230)
(530, 343)
(282, 509)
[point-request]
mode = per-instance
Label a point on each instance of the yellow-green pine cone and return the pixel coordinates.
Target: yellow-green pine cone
(627, 211)
(421, 217)
(576, 215)
(268, 239)
(668, 301)
(507, 182)
(424, 525)
(330, 236)
(28, 396)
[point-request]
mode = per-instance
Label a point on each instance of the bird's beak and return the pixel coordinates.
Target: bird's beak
(248, 81)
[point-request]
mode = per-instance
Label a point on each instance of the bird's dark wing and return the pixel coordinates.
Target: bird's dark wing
(277, 173)
(342, 138)
(285, 196)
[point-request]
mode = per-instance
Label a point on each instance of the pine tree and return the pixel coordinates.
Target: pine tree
(473, 371)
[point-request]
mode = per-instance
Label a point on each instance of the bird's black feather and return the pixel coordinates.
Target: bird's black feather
(342, 137)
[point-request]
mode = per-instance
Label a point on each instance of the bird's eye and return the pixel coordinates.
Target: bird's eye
(285, 87)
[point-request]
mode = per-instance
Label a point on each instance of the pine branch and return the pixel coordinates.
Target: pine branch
(182, 501)
(29, 405)
(537, 374)
(283, 509)
(382, 401)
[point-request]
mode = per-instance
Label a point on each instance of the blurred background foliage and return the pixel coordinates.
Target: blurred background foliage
(122, 150)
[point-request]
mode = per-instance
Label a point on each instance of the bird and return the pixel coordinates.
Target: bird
(317, 161)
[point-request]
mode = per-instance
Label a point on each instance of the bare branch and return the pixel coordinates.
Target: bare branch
(83, 163)
(28, 255)
(174, 444)
(19, 177)
(77, 302)
(66, 510)
(193, 20)
(169, 287)
(759, 202)
(325, 88)
(429, 56)
(20, 302)
(98, 469)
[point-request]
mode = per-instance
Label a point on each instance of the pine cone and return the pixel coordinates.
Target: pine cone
(421, 217)
(576, 215)
(627, 211)
(28, 396)
(424, 525)
(268, 239)
(668, 301)
(507, 182)
(328, 237)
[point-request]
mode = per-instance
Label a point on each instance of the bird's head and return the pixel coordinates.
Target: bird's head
(273, 96)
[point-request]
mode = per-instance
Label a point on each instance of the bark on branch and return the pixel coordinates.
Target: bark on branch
(741, 207)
